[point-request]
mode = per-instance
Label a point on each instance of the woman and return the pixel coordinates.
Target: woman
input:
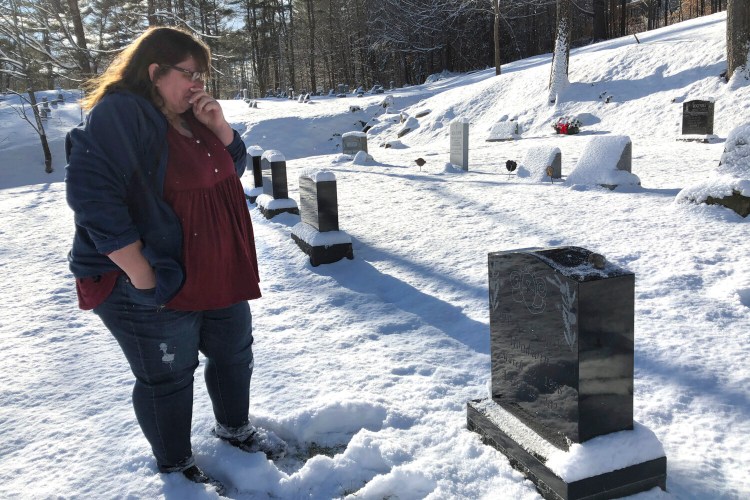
(164, 251)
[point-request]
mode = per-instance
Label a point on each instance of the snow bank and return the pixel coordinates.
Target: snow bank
(731, 175)
(362, 158)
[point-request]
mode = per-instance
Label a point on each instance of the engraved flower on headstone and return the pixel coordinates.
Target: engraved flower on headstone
(494, 281)
(568, 299)
(530, 289)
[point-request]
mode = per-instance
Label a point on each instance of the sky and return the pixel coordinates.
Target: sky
(365, 366)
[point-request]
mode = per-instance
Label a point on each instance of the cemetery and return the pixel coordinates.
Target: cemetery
(459, 300)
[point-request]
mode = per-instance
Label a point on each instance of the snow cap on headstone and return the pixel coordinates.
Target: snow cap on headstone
(354, 134)
(318, 174)
(255, 150)
(273, 155)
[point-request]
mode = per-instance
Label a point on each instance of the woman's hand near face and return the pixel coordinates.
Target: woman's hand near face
(208, 111)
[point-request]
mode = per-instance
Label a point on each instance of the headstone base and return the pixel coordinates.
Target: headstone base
(705, 139)
(618, 483)
(252, 194)
(270, 213)
(324, 254)
(270, 207)
(740, 204)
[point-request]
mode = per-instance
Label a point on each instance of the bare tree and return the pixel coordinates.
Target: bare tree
(496, 34)
(20, 64)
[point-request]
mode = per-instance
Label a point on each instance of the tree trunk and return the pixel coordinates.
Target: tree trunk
(40, 128)
(600, 20)
(558, 79)
(311, 48)
(738, 34)
(83, 53)
(623, 17)
(496, 32)
(151, 13)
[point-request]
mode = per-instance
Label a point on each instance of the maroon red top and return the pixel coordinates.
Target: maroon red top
(201, 185)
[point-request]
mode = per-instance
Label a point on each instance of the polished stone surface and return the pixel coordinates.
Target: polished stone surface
(256, 169)
(698, 117)
(274, 178)
(319, 204)
(561, 337)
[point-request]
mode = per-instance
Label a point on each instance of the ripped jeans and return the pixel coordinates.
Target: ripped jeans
(162, 348)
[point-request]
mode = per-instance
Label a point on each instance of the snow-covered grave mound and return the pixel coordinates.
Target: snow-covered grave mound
(605, 161)
(538, 161)
(730, 186)
(504, 131)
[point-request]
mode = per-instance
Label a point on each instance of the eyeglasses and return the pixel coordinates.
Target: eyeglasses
(194, 75)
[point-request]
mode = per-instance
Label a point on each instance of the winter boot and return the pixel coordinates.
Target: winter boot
(196, 475)
(252, 439)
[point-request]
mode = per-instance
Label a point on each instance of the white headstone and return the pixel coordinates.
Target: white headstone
(459, 131)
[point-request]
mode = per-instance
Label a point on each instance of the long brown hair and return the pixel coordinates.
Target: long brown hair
(129, 70)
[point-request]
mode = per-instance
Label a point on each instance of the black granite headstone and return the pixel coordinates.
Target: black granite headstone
(319, 204)
(561, 350)
(561, 336)
(257, 170)
(274, 178)
(697, 117)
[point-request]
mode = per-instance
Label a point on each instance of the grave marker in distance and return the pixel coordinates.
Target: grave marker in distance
(353, 142)
(698, 117)
(459, 146)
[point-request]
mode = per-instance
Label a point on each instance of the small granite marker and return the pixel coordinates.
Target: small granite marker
(318, 233)
(275, 198)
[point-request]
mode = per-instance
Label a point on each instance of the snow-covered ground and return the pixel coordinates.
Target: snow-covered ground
(374, 359)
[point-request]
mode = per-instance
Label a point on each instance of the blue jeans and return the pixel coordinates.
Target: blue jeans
(161, 346)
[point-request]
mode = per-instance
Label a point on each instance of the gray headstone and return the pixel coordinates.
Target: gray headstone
(697, 117)
(319, 203)
(459, 152)
(626, 158)
(353, 142)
